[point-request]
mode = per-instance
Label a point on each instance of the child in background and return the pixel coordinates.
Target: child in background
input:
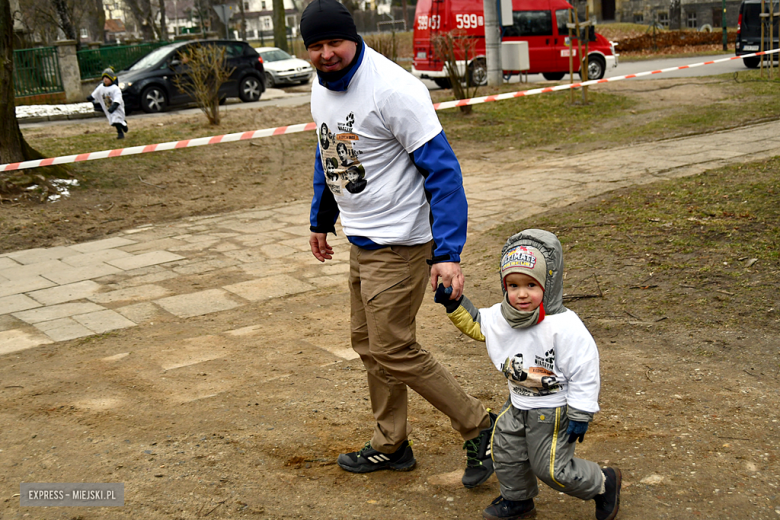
(109, 97)
(552, 366)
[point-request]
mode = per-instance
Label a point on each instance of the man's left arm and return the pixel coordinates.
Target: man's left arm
(437, 163)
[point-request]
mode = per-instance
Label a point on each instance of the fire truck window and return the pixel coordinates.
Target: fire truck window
(530, 23)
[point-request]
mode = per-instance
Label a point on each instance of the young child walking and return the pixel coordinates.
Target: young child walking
(552, 366)
(109, 97)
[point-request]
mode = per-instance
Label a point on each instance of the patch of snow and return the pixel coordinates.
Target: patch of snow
(24, 111)
(62, 188)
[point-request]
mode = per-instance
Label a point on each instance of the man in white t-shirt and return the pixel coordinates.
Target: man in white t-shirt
(410, 212)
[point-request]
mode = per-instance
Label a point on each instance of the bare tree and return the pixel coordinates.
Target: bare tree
(13, 146)
(39, 16)
(64, 13)
(207, 72)
(142, 12)
(451, 48)
(280, 25)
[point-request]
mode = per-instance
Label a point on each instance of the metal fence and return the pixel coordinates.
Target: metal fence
(92, 62)
(37, 71)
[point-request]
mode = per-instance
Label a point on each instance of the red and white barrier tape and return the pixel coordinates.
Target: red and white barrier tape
(510, 95)
(281, 130)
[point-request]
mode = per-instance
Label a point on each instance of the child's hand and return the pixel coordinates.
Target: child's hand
(576, 430)
(442, 296)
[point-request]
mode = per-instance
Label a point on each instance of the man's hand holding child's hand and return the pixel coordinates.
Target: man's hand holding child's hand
(442, 296)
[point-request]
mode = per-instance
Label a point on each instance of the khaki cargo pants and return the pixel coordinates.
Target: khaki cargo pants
(387, 286)
(533, 443)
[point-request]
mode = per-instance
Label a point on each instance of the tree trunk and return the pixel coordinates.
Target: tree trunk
(280, 26)
(216, 24)
(243, 19)
(61, 7)
(406, 15)
(99, 20)
(13, 146)
(163, 24)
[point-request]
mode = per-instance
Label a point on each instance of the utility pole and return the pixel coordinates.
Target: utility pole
(723, 23)
(493, 43)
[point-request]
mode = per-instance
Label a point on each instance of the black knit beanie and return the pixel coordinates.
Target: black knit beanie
(327, 20)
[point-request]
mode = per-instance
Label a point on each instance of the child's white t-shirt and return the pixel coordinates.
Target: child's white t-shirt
(558, 355)
(106, 96)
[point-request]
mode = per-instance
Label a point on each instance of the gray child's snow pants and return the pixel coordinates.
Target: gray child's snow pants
(533, 443)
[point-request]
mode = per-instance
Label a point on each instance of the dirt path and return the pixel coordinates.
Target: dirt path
(208, 368)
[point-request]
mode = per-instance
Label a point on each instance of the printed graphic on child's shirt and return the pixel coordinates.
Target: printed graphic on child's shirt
(534, 381)
(107, 100)
(343, 171)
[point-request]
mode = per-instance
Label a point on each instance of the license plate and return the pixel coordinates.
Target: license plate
(750, 47)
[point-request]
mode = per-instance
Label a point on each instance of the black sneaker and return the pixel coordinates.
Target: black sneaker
(368, 459)
(503, 509)
(608, 503)
(125, 128)
(479, 462)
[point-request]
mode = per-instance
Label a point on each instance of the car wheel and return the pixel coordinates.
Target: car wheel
(443, 82)
(477, 74)
(553, 76)
(596, 68)
(153, 99)
(269, 80)
(752, 63)
(250, 89)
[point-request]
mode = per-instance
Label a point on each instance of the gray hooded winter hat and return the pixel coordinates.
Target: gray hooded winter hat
(552, 250)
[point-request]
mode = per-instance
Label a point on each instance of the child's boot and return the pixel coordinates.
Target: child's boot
(608, 503)
(503, 509)
(119, 133)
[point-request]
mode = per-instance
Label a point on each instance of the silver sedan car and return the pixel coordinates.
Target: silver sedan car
(281, 68)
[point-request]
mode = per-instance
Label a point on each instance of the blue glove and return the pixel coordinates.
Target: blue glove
(442, 296)
(576, 430)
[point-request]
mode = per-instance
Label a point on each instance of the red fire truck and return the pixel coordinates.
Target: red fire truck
(541, 23)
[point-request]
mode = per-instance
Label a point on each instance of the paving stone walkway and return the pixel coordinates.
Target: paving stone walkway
(204, 265)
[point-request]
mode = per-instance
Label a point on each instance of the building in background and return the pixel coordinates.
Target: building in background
(670, 14)
(259, 19)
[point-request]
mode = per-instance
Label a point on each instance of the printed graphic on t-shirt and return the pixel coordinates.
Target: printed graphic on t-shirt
(534, 381)
(343, 171)
(107, 100)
